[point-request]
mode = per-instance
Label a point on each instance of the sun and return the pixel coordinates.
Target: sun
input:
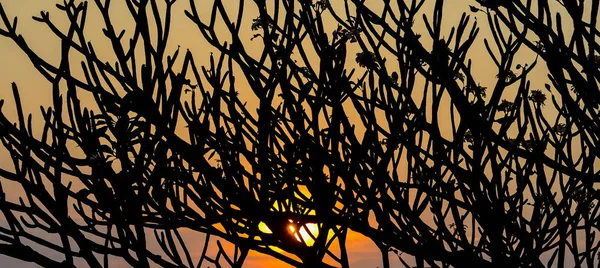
(305, 233)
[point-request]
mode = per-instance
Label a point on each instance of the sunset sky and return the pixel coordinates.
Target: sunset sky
(35, 90)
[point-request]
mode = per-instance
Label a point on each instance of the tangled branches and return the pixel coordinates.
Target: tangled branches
(406, 146)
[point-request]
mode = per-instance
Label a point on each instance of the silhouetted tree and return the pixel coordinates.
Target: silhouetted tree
(407, 147)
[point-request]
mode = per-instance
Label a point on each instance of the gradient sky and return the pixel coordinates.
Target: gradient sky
(35, 90)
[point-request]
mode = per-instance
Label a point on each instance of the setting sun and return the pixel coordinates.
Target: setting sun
(306, 234)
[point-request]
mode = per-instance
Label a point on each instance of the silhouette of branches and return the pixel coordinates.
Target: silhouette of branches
(361, 123)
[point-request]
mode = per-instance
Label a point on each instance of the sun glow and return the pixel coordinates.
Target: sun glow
(264, 228)
(306, 233)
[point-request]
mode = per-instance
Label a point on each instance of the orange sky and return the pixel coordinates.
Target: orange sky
(36, 91)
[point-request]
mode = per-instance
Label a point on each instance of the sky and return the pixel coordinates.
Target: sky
(36, 91)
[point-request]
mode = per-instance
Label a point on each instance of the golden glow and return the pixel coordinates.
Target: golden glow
(306, 233)
(264, 228)
(276, 249)
(303, 193)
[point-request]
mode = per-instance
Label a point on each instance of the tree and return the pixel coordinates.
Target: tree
(434, 168)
